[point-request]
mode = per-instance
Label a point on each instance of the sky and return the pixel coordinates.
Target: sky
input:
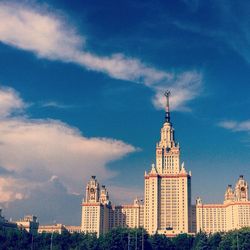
(81, 94)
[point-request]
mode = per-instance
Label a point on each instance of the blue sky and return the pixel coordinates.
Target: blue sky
(81, 94)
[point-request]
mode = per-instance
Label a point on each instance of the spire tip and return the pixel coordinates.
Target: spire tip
(167, 114)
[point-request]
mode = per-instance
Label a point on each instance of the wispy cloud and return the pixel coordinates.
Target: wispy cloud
(51, 192)
(6, 172)
(235, 126)
(38, 30)
(124, 195)
(53, 104)
(230, 28)
(186, 87)
(49, 148)
(49, 36)
(10, 102)
(12, 189)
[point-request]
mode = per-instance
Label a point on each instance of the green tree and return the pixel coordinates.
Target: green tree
(227, 242)
(201, 242)
(161, 242)
(241, 238)
(214, 241)
(183, 242)
(115, 239)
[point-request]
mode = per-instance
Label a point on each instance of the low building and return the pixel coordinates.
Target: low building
(29, 223)
(234, 213)
(55, 228)
(129, 215)
(73, 229)
(5, 223)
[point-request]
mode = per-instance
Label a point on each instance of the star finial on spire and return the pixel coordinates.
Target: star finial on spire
(167, 114)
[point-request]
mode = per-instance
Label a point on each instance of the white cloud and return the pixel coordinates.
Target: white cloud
(57, 148)
(121, 67)
(52, 192)
(124, 195)
(185, 87)
(50, 36)
(235, 126)
(37, 30)
(12, 189)
(10, 102)
(31, 151)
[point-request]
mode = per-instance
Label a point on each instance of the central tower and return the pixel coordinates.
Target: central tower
(167, 150)
(167, 186)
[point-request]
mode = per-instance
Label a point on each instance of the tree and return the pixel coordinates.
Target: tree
(161, 242)
(243, 238)
(214, 241)
(201, 242)
(227, 242)
(183, 242)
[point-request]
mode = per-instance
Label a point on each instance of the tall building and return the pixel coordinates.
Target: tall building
(167, 196)
(98, 216)
(167, 204)
(234, 213)
(96, 209)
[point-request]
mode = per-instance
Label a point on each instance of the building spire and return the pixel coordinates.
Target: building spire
(167, 111)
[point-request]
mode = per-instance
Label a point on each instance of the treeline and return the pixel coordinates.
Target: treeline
(124, 239)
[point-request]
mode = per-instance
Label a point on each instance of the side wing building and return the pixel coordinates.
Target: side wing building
(234, 213)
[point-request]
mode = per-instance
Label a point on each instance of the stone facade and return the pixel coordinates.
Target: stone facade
(167, 205)
(29, 223)
(167, 197)
(99, 216)
(234, 213)
(55, 228)
(96, 209)
(129, 215)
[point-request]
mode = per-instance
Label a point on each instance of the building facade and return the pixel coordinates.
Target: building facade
(234, 213)
(167, 196)
(99, 216)
(54, 228)
(73, 229)
(96, 209)
(131, 215)
(59, 228)
(167, 204)
(166, 208)
(29, 223)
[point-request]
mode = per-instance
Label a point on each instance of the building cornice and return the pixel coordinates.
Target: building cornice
(174, 176)
(91, 204)
(223, 205)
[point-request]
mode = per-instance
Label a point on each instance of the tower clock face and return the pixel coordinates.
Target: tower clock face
(92, 190)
